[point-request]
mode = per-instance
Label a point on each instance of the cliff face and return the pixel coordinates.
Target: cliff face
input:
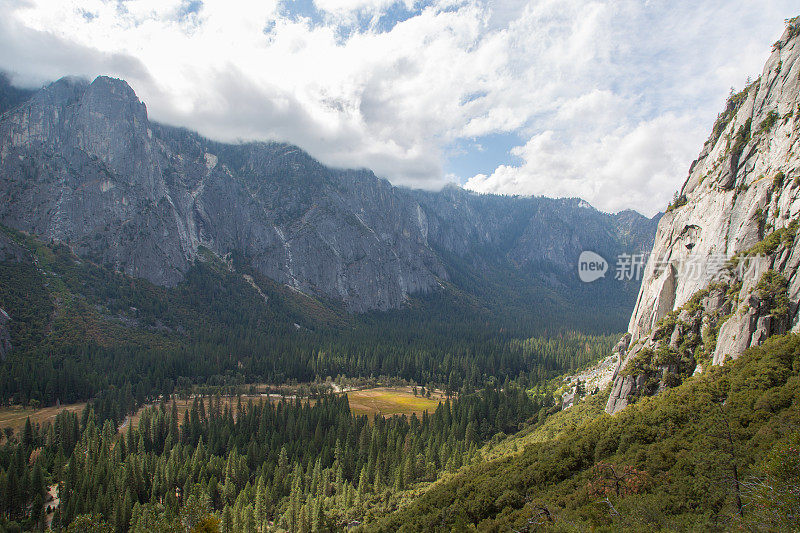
(82, 164)
(723, 273)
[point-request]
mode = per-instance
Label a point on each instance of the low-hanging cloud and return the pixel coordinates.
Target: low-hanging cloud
(611, 98)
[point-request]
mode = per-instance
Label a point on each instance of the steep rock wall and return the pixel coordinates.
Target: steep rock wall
(82, 164)
(726, 248)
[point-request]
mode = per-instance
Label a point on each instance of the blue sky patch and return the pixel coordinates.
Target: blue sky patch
(481, 155)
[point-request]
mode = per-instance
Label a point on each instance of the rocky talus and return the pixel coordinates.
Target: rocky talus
(723, 272)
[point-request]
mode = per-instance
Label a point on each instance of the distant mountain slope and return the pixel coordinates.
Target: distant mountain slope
(11, 96)
(82, 164)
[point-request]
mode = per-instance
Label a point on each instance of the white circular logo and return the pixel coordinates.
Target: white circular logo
(591, 266)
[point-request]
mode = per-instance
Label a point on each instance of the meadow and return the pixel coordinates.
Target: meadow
(14, 416)
(383, 401)
(387, 401)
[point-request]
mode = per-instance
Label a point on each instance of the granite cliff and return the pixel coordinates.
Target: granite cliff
(723, 274)
(81, 163)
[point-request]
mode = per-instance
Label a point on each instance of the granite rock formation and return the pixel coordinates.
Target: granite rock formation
(723, 273)
(81, 163)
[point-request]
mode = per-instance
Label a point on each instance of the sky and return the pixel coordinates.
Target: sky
(609, 101)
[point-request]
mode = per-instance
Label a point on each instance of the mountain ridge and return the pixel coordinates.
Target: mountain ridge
(142, 197)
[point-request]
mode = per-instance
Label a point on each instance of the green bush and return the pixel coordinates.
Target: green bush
(677, 201)
(766, 124)
(772, 289)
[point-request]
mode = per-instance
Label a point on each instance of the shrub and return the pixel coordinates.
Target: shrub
(766, 124)
(641, 363)
(740, 141)
(677, 201)
(733, 104)
(772, 288)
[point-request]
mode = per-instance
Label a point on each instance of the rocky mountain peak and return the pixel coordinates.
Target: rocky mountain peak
(111, 124)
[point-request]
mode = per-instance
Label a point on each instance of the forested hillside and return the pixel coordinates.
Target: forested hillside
(80, 330)
(717, 453)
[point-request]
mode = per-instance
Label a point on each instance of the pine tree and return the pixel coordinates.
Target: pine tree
(363, 486)
(378, 485)
(27, 434)
(408, 470)
(227, 520)
(248, 519)
(260, 511)
(229, 489)
(316, 477)
(318, 519)
(398, 478)
(295, 498)
(471, 433)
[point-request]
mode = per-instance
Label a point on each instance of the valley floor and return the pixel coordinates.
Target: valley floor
(15, 416)
(383, 401)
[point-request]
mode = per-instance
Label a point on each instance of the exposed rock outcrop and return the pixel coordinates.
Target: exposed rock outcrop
(723, 273)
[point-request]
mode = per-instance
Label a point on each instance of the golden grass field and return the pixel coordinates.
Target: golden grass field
(389, 401)
(384, 401)
(15, 416)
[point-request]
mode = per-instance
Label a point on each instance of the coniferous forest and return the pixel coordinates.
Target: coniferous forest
(131, 461)
(83, 331)
(297, 465)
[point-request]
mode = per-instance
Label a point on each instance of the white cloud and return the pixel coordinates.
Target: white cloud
(627, 93)
(615, 171)
(345, 8)
(615, 97)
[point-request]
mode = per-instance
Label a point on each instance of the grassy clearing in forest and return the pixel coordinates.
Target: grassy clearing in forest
(186, 403)
(15, 415)
(384, 401)
(390, 401)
